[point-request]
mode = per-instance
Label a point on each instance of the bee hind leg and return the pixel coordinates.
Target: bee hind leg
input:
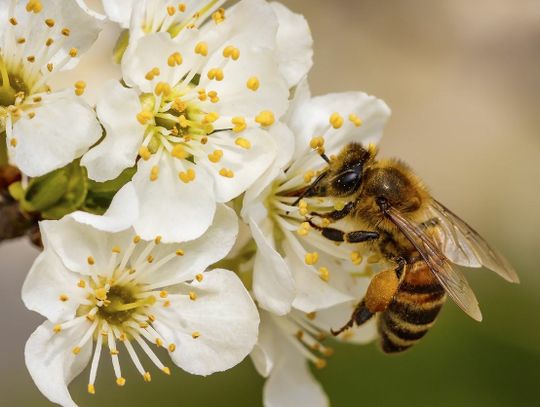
(360, 315)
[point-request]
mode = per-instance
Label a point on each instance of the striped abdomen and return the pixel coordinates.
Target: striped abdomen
(412, 311)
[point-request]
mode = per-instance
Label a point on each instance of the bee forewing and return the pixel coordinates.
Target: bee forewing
(464, 246)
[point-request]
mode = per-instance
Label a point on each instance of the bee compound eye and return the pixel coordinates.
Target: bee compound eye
(348, 181)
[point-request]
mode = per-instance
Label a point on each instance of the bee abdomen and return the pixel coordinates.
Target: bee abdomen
(409, 316)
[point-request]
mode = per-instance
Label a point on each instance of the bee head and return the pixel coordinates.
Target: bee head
(345, 173)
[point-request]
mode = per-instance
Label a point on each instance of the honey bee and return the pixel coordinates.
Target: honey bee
(423, 240)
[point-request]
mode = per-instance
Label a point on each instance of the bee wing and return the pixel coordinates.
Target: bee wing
(452, 280)
(464, 246)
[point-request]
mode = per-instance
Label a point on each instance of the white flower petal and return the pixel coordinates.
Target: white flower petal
(119, 11)
(246, 164)
(225, 317)
(294, 44)
(47, 280)
(63, 129)
(122, 213)
(170, 208)
(267, 350)
(52, 364)
(117, 110)
(211, 247)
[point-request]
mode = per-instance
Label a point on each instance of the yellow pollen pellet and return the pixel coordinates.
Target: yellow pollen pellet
(31, 59)
(162, 88)
(215, 74)
(199, 277)
(336, 120)
(13, 142)
(227, 173)
(166, 370)
(76, 350)
(253, 83)
(174, 59)
(356, 258)
(355, 120)
(265, 118)
(202, 49)
(242, 142)
(311, 258)
(171, 10)
(324, 274)
(179, 151)
(187, 176)
(49, 22)
(317, 142)
(63, 297)
(182, 7)
(192, 296)
(66, 32)
(49, 42)
(219, 16)
(239, 124)
(116, 249)
(150, 259)
(91, 260)
(211, 117)
(195, 334)
(13, 21)
(91, 389)
(230, 51)
(179, 252)
(120, 381)
(73, 52)
(172, 347)
(154, 173)
(81, 284)
(145, 154)
(57, 328)
(303, 229)
(50, 67)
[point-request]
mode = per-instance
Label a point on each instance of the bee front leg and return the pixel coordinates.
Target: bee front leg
(335, 215)
(337, 235)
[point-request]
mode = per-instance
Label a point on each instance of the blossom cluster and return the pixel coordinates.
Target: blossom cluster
(164, 209)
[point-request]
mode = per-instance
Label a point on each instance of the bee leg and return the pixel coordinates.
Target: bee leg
(337, 235)
(336, 215)
(361, 315)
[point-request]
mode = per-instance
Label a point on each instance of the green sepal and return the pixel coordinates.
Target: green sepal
(74, 193)
(100, 194)
(45, 191)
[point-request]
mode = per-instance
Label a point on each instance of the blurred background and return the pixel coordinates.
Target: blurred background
(463, 81)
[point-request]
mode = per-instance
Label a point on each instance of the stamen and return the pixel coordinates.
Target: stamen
(253, 83)
(336, 120)
(265, 118)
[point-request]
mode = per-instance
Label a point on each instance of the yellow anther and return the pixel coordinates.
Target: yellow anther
(91, 389)
(163, 294)
(320, 363)
(31, 59)
(308, 176)
(21, 40)
(356, 258)
(324, 274)
(34, 6)
(80, 87)
(91, 260)
(150, 258)
(195, 334)
(13, 21)
(303, 207)
(136, 239)
(202, 95)
(49, 22)
(336, 120)
(180, 252)
(171, 347)
(253, 83)
(303, 229)
(50, 67)
(201, 48)
(226, 172)
(162, 88)
(311, 258)
(174, 59)
(219, 16)
(213, 96)
(145, 154)
(192, 296)
(215, 156)
(13, 142)
(90, 318)
(199, 277)
(122, 337)
(37, 99)
(211, 117)
(311, 315)
(57, 328)
(76, 350)
(154, 173)
(374, 258)
(215, 74)
(265, 118)
(242, 142)
(166, 370)
(66, 32)
(114, 352)
(152, 73)
(31, 115)
(159, 342)
(73, 52)
(230, 51)
(182, 7)
(239, 124)
(171, 10)
(63, 297)
(120, 381)
(355, 120)
(184, 123)
(317, 142)
(100, 293)
(147, 377)
(187, 176)
(179, 151)
(81, 284)
(116, 249)
(49, 42)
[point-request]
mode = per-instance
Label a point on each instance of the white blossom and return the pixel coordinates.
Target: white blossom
(38, 39)
(99, 289)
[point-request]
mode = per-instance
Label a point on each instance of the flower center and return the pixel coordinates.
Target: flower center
(12, 86)
(120, 305)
